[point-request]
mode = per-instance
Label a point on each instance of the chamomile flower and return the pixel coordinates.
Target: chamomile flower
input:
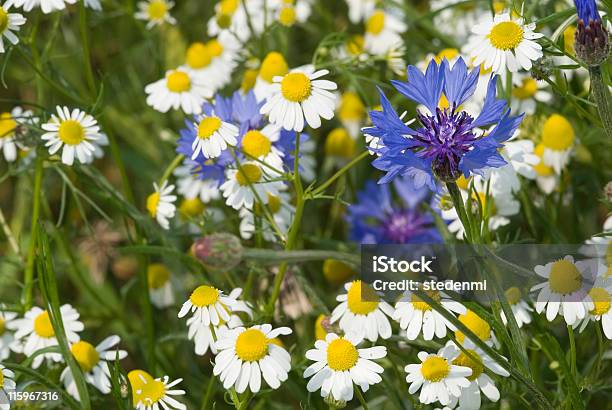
(260, 145)
(7, 384)
(160, 204)
(415, 315)
(359, 10)
(10, 127)
(245, 355)
(339, 144)
(300, 96)
(213, 62)
(244, 183)
(566, 288)
(155, 12)
(213, 136)
(9, 23)
(504, 43)
(75, 133)
(35, 332)
(383, 31)
(93, 362)
(546, 177)
(7, 338)
(558, 139)
(281, 211)
(153, 394)
(527, 93)
(180, 88)
(478, 361)
(520, 308)
(438, 378)
(339, 366)
(47, 6)
(274, 64)
(362, 312)
(520, 160)
(600, 296)
(480, 327)
(161, 292)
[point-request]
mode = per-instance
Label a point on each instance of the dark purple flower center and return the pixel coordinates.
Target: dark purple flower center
(400, 226)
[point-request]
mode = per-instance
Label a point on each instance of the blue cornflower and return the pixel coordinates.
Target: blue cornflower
(587, 10)
(449, 142)
(592, 41)
(377, 218)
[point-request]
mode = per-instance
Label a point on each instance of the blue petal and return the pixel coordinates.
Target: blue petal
(479, 159)
(458, 86)
(223, 108)
(587, 10)
(424, 89)
(408, 164)
(408, 192)
(493, 109)
(505, 128)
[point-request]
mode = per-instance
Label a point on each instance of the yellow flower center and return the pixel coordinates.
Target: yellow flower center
(152, 202)
(448, 53)
(484, 202)
(157, 275)
(138, 378)
(463, 183)
(419, 304)
(214, 48)
(355, 44)
(541, 168)
(208, 126)
(376, 22)
(228, 6)
(7, 123)
(43, 326)
(274, 204)
(435, 368)
(273, 65)
(86, 355)
(198, 56)
(473, 361)
(296, 87)
(1, 375)
(564, 277)
(569, 39)
(249, 79)
(71, 132)
(336, 271)
(513, 295)
(178, 81)
(224, 20)
(256, 144)
(527, 89)
(204, 296)
(152, 391)
(3, 20)
(361, 298)
(320, 332)
(2, 327)
(339, 144)
(287, 16)
(601, 300)
(251, 345)
(476, 324)
(248, 174)
(506, 35)
(351, 107)
(499, 6)
(191, 207)
(157, 9)
(341, 355)
(557, 133)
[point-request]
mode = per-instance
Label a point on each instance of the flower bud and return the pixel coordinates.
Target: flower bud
(542, 68)
(337, 404)
(592, 40)
(444, 170)
(218, 251)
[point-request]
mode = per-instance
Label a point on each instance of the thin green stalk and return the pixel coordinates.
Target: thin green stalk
(341, 171)
(29, 270)
(572, 352)
(361, 399)
(455, 194)
(210, 388)
(9, 235)
(89, 76)
(601, 94)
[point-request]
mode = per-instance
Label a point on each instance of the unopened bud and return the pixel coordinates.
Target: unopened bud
(218, 251)
(337, 404)
(542, 68)
(592, 43)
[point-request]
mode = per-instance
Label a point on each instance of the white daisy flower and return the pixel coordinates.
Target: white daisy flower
(191, 186)
(527, 93)
(240, 184)
(35, 332)
(546, 178)
(362, 312)
(74, 133)
(600, 296)
(504, 43)
(98, 153)
(245, 355)
(153, 394)
(155, 12)
(10, 127)
(414, 315)
(281, 210)
(9, 23)
(383, 32)
(565, 289)
(339, 364)
(93, 363)
(520, 308)
(359, 10)
(478, 361)
(180, 88)
(300, 96)
(47, 6)
(240, 19)
(521, 159)
(478, 326)
(259, 144)
(214, 61)
(437, 377)
(273, 65)
(7, 339)
(213, 136)
(161, 292)
(7, 384)
(160, 204)
(558, 139)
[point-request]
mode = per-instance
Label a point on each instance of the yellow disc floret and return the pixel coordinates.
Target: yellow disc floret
(341, 355)
(43, 326)
(152, 202)
(296, 87)
(339, 144)
(273, 65)
(204, 296)
(2, 327)
(541, 168)
(473, 361)
(4, 21)
(449, 53)
(435, 368)
(252, 345)
(557, 133)
(420, 304)
(248, 174)
(157, 9)
(351, 107)
(376, 22)
(71, 132)
(255, 144)
(527, 89)
(178, 81)
(601, 301)
(361, 298)
(337, 272)
(355, 44)
(7, 123)
(506, 35)
(564, 278)
(274, 204)
(208, 126)
(249, 79)
(287, 16)
(157, 275)
(86, 355)
(513, 295)
(198, 56)
(569, 35)
(191, 208)
(137, 379)
(319, 330)
(476, 324)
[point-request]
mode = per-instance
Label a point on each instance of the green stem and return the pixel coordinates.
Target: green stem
(341, 171)
(9, 236)
(168, 171)
(361, 398)
(572, 340)
(29, 270)
(208, 394)
(271, 256)
(455, 194)
(89, 76)
(602, 98)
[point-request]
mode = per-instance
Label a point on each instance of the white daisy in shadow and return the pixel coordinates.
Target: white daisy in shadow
(7, 384)
(155, 12)
(242, 185)
(161, 291)
(520, 308)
